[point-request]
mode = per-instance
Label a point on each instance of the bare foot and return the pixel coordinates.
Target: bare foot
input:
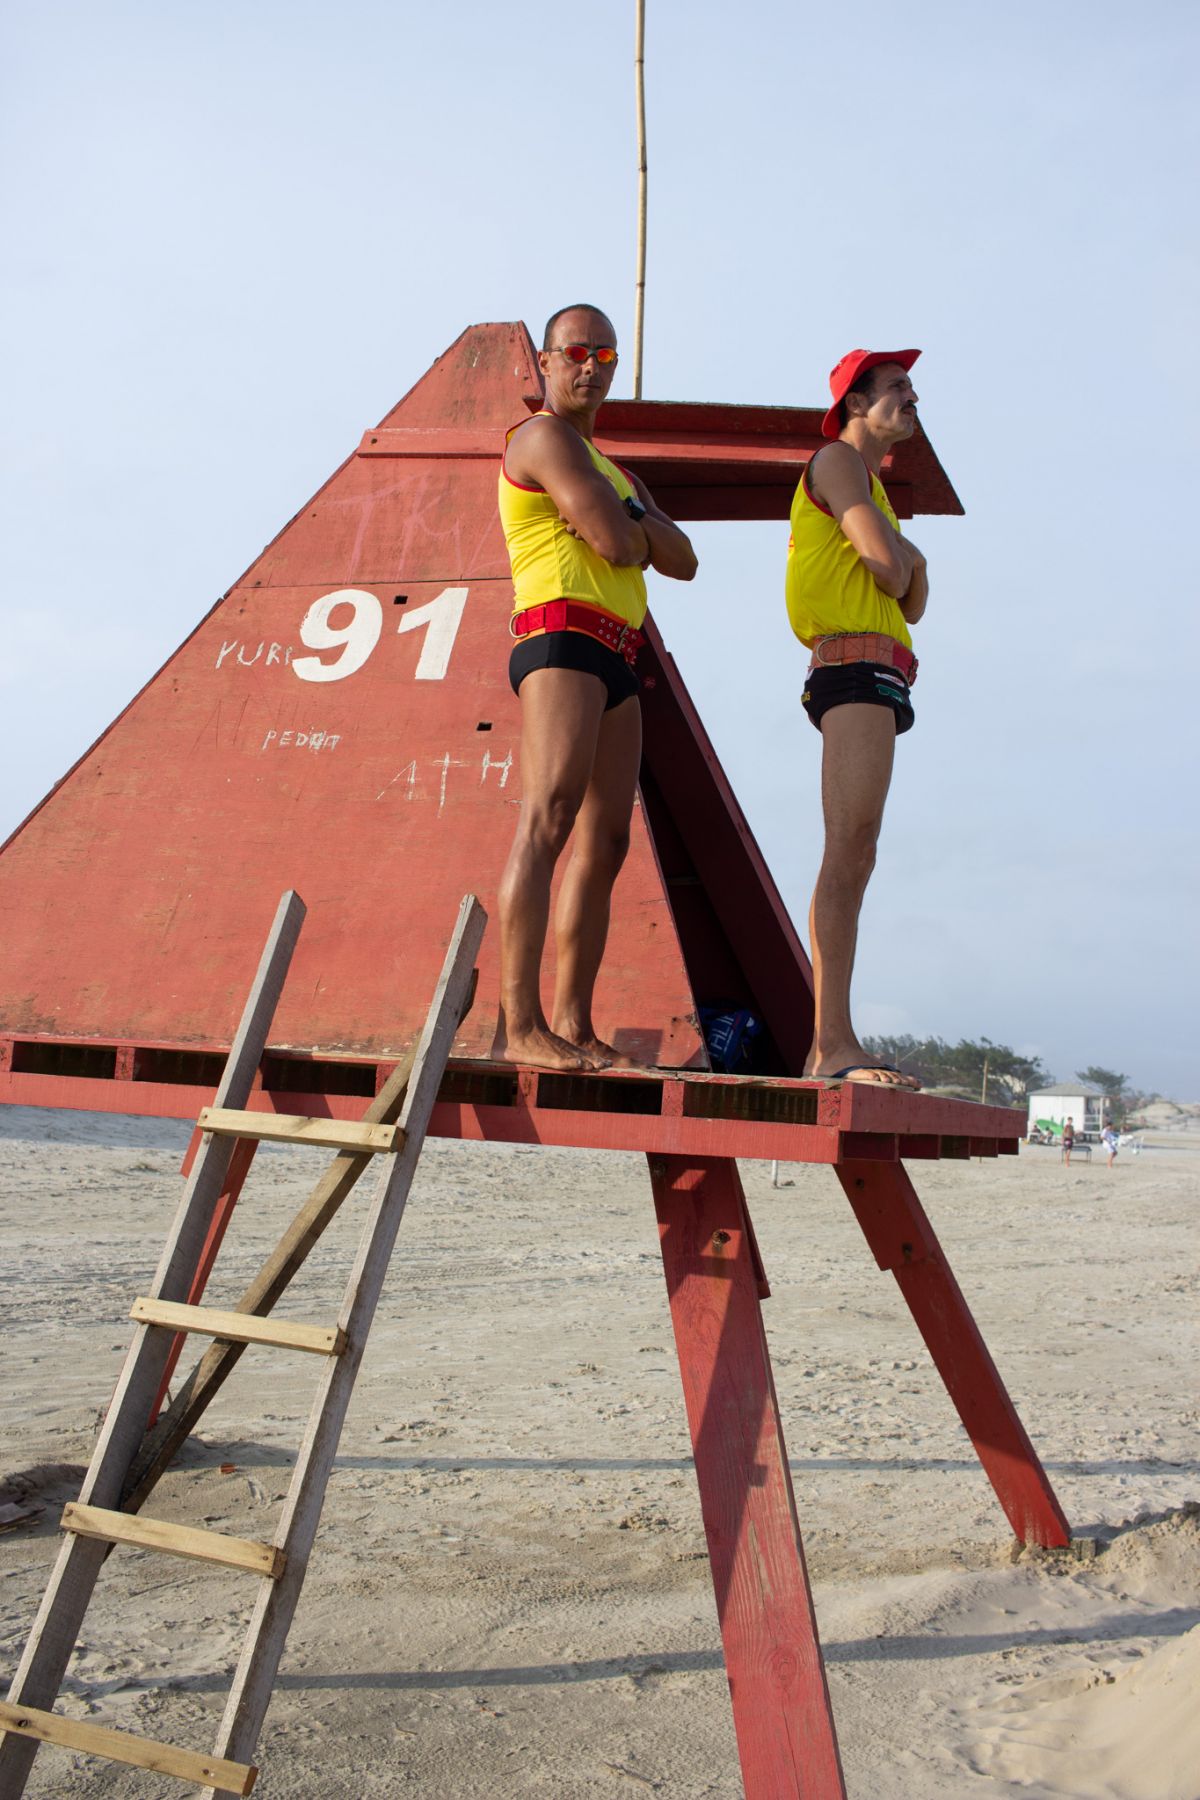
(543, 1049)
(605, 1054)
(850, 1062)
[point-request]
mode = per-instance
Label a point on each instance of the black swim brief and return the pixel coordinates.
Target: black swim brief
(857, 684)
(574, 650)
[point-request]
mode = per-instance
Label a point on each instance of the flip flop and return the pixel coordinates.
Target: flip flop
(861, 1068)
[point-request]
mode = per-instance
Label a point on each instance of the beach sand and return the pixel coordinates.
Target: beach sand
(509, 1593)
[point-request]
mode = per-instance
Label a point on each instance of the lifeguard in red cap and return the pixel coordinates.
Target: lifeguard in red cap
(854, 586)
(580, 531)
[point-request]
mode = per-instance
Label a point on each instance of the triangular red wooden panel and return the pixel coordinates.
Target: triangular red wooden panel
(341, 723)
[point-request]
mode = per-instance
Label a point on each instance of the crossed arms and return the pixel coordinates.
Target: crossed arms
(896, 564)
(549, 454)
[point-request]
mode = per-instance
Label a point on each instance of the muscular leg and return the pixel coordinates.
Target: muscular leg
(599, 847)
(858, 746)
(561, 713)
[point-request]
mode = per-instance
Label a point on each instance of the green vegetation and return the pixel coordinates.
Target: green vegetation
(1125, 1097)
(1107, 1080)
(962, 1068)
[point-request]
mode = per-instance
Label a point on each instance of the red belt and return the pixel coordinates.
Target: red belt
(865, 646)
(569, 615)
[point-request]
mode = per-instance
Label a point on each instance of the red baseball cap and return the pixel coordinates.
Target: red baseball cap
(843, 376)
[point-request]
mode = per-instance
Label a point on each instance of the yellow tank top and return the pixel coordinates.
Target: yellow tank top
(549, 564)
(829, 589)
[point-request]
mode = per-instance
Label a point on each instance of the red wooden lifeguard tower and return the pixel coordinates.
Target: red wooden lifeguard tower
(341, 723)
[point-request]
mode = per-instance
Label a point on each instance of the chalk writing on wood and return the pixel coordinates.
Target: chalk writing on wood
(302, 740)
(407, 781)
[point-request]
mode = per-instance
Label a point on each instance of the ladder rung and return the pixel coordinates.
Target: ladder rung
(123, 1746)
(240, 1327)
(298, 1128)
(180, 1540)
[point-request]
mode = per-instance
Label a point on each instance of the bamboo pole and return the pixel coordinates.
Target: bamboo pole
(639, 68)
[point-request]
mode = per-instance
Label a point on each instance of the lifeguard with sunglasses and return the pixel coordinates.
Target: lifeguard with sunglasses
(580, 532)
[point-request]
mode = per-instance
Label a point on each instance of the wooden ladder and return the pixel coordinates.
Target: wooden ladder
(128, 1460)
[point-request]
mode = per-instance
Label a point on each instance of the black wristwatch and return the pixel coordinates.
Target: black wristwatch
(634, 508)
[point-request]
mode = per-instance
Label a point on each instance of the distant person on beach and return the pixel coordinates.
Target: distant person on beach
(580, 531)
(854, 586)
(1068, 1140)
(1111, 1139)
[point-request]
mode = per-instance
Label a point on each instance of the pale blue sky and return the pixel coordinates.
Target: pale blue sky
(237, 233)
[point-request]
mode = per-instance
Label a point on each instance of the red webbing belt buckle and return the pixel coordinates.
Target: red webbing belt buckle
(567, 615)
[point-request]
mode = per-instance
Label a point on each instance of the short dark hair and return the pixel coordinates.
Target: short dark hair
(865, 385)
(580, 306)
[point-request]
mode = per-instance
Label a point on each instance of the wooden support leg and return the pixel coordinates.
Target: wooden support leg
(902, 1239)
(785, 1731)
(227, 1199)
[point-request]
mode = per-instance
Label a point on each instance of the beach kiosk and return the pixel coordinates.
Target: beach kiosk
(1085, 1106)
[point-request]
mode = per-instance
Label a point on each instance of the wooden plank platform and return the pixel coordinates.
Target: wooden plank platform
(672, 1111)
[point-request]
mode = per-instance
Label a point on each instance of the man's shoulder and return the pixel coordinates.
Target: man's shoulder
(545, 427)
(537, 445)
(837, 472)
(839, 455)
(533, 430)
(543, 439)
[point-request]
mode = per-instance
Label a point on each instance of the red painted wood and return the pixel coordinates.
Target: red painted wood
(880, 1146)
(642, 432)
(189, 1155)
(521, 1121)
(222, 1213)
(231, 775)
(785, 1730)
(903, 1240)
(867, 1107)
(751, 456)
(761, 1284)
(154, 1101)
(339, 1087)
(737, 937)
(620, 1131)
(379, 793)
(920, 1145)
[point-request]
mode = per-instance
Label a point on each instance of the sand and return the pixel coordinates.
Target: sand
(509, 1594)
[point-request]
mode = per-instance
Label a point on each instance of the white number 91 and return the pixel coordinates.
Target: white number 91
(355, 639)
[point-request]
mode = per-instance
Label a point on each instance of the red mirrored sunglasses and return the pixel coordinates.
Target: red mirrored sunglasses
(579, 353)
